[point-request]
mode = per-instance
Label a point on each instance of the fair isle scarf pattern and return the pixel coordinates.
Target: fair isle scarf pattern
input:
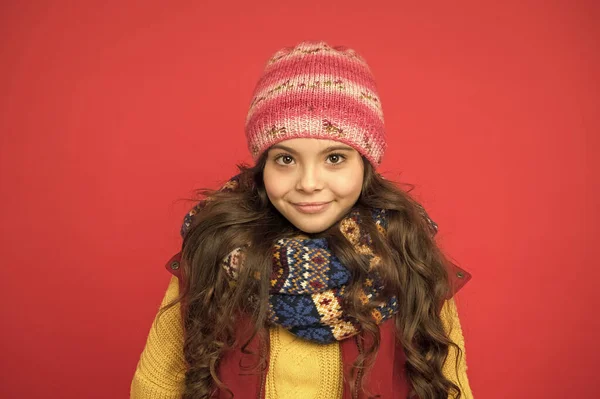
(308, 282)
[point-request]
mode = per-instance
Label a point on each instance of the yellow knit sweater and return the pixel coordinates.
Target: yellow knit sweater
(298, 368)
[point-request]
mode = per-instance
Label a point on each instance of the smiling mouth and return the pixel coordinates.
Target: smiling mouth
(311, 207)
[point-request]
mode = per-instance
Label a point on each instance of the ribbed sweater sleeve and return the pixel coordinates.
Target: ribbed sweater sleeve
(458, 375)
(160, 372)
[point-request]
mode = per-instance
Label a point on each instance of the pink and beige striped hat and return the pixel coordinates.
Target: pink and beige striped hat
(317, 91)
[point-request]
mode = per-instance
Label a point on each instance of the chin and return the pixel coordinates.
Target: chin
(313, 227)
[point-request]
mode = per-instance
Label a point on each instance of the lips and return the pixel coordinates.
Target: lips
(311, 207)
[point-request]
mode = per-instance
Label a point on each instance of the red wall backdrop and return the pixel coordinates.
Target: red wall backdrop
(112, 111)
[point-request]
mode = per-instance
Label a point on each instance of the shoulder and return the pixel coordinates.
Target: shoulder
(173, 265)
(458, 277)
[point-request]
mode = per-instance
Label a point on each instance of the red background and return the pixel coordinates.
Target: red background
(111, 112)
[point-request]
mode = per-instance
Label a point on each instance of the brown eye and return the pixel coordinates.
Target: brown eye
(336, 158)
(286, 159)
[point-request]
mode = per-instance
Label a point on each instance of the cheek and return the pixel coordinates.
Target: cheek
(347, 185)
(274, 186)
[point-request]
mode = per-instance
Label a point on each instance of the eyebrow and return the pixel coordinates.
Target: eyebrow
(328, 149)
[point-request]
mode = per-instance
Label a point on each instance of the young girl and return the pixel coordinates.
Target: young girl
(308, 275)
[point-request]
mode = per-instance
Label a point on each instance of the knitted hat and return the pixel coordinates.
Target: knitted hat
(317, 91)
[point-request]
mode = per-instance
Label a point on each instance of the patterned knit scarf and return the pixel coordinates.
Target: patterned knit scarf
(309, 283)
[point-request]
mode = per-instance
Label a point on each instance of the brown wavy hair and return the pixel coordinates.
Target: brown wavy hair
(414, 268)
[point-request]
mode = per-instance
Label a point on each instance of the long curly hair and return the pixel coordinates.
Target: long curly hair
(414, 268)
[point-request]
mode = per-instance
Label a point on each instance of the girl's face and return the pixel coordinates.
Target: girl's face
(313, 182)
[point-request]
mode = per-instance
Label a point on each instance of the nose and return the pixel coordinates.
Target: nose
(309, 180)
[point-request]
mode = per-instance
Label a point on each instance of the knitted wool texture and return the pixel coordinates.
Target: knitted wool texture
(308, 282)
(300, 369)
(314, 90)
